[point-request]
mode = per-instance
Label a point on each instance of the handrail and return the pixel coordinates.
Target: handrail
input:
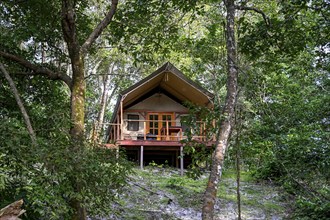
(165, 133)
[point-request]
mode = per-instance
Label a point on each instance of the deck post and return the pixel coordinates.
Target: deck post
(177, 159)
(167, 132)
(181, 160)
(141, 158)
(117, 155)
(118, 129)
(145, 130)
(121, 120)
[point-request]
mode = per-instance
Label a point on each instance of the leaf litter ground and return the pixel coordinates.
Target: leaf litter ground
(161, 193)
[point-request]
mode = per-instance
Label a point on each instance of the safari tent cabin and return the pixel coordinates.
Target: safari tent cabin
(147, 117)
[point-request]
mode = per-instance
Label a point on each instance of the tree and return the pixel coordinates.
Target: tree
(54, 43)
(110, 72)
(77, 52)
(226, 116)
(286, 86)
(20, 104)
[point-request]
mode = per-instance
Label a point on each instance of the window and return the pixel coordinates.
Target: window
(133, 123)
(159, 121)
(153, 124)
(166, 120)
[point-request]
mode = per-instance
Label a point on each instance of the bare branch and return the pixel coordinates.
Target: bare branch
(12, 211)
(20, 105)
(108, 74)
(100, 27)
(37, 69)
(246, 8)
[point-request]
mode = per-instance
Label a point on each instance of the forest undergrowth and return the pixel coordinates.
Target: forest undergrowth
(161, 193)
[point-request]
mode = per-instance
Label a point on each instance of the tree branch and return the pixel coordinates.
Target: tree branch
(246, 8)
(100, 27)
(69, 28)
(107, 74)
(20, 105)
(12, 211)
(37, 69)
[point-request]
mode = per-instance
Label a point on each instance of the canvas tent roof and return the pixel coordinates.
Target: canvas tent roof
(169, 80)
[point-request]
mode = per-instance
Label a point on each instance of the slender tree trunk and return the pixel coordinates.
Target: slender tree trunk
(20, 105)
(100, 119)
(238, 181)
(103, 105)
(238, 165)
(226, 117)
(100, 115)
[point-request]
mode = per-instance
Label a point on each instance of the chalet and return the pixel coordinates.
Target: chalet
(147, 120)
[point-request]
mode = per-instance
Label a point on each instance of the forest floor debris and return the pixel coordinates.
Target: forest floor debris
(161, 193)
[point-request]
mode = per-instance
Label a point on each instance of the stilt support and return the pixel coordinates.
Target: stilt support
(181, 160)
(141, 157)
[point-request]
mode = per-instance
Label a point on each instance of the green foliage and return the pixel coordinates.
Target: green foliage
(112, 71)
(284, 73)
(133, 35)
(173, 182)
(32, 26)
(154, 164)
(43, 175)
(294, 26)
(313, 208)
(199, 122)
(287, 136)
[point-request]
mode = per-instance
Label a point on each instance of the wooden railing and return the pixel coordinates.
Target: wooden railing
(171, 131)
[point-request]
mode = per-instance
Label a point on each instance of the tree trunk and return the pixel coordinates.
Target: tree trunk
(77, 100)
(238, 163)
(77, 127)
(77, 113)
(20, 105)
(77, 54)
(103, 105)
(77, 83)
(210, 194)
(238, 180)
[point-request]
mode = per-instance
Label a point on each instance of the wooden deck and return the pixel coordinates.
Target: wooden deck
(156, 144)
(148, 143)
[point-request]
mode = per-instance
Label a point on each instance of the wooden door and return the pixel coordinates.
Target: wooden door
(153, 124)
(157, 121)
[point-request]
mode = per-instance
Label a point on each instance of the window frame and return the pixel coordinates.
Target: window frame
(133, 125)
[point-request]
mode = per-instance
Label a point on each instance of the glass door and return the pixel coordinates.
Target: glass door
(166, 120)
(153, 124)
(158, 124)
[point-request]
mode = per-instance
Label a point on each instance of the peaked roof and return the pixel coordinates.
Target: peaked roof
(169, 80)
